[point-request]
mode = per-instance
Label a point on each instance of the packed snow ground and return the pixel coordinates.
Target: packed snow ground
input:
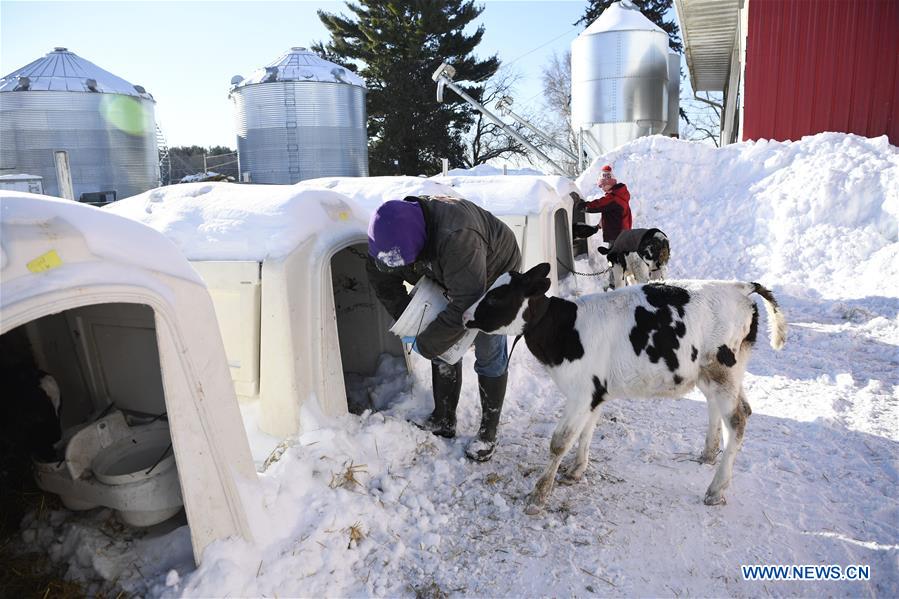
(370, 505)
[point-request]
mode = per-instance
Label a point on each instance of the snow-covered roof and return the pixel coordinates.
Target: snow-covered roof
(63, 70)
(371, 192)
(621, 16)
(227, 221)
(106, 235)
(506, 195)
(299, 64)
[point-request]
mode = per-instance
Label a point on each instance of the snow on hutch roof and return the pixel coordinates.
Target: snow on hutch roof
(371, 192)
(107, 236)
(228, 221)
(299, 64)
(511, 194)
(63, 70)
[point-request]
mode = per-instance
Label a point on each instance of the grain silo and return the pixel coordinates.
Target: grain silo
(619, 78)
(105, 124)
(301, 117)
(672, 129)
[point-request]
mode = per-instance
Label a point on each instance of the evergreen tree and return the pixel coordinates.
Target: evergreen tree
(654, 10)
(396, 45)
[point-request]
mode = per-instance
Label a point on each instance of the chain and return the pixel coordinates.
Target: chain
(583, 274)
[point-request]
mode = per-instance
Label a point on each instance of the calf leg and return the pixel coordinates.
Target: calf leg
(576, 472)
(563, 438)
(713, 435)
(616, 277)
(640, 270)
(734, 419)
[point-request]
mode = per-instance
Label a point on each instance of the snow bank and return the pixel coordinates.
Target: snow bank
(821, 212)
(224, 221)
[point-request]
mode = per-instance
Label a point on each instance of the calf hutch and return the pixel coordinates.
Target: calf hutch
(285, 267)
(117, 371)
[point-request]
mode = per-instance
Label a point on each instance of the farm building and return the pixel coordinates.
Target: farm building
(790, 68)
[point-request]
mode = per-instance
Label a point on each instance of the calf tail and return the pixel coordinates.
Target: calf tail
(777, 324)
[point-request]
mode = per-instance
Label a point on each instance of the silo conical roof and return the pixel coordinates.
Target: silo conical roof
(63, 70)
(300, 64)
(621, 16)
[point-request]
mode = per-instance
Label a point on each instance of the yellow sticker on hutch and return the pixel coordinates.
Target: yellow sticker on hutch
(47, 261)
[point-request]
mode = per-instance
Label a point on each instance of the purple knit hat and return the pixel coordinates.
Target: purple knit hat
(396, 233)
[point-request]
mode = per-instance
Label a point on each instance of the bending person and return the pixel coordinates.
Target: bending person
(463, 248)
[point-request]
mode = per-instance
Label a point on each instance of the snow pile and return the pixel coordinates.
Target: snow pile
(224, 221)
(822, 212)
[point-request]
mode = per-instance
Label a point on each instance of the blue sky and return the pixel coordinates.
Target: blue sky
(185, 53)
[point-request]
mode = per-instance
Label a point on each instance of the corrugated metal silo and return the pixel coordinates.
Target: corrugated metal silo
(619, 78)
(301, 117)
(673, 126)
(106, 124)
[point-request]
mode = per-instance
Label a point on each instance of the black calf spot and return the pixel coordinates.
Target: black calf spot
(694, 353)
(599, 393)
(553, 339)
(660, 327)
(726, 356)
(678, 380)
(660, 295)
(753, 326)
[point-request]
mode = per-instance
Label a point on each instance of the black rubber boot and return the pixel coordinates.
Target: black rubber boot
(493, 392)
(446, 381)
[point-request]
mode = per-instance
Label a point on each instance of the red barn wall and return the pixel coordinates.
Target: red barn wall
(821, 65)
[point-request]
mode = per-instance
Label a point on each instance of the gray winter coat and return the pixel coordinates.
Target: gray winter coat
(467, 249)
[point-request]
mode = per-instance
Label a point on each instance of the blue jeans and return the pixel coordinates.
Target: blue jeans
(490, 355)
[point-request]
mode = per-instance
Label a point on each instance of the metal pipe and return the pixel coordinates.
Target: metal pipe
(442, 76)
(505, 107)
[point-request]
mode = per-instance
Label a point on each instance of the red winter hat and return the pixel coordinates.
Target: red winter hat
(606, 172)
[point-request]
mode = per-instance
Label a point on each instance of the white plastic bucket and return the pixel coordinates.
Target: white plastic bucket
(428, 301)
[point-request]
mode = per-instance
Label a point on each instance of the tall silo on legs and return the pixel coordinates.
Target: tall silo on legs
(301, 117)
(619, 78)
(105, 124)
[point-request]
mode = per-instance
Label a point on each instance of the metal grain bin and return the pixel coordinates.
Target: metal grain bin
(619, 78)
(106, 124)
(673, 126)
(301, 117)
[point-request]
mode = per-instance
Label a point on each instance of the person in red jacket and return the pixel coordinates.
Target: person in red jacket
(614, 206)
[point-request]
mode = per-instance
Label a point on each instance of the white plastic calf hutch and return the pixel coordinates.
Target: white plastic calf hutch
(285, 267)
(116, 315)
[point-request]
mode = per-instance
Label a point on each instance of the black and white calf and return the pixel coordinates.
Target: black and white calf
(642, 253)
(653, 340)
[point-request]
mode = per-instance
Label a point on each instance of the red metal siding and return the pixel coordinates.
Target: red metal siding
(821, 65)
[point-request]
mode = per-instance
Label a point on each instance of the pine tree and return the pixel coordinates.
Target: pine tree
(396, 45)
(654, 10)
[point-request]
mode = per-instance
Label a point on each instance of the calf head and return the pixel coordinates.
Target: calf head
(501, 311)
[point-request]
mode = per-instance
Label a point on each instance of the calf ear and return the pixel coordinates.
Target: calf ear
(539, 287)
(602, 250)
(538, 272)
